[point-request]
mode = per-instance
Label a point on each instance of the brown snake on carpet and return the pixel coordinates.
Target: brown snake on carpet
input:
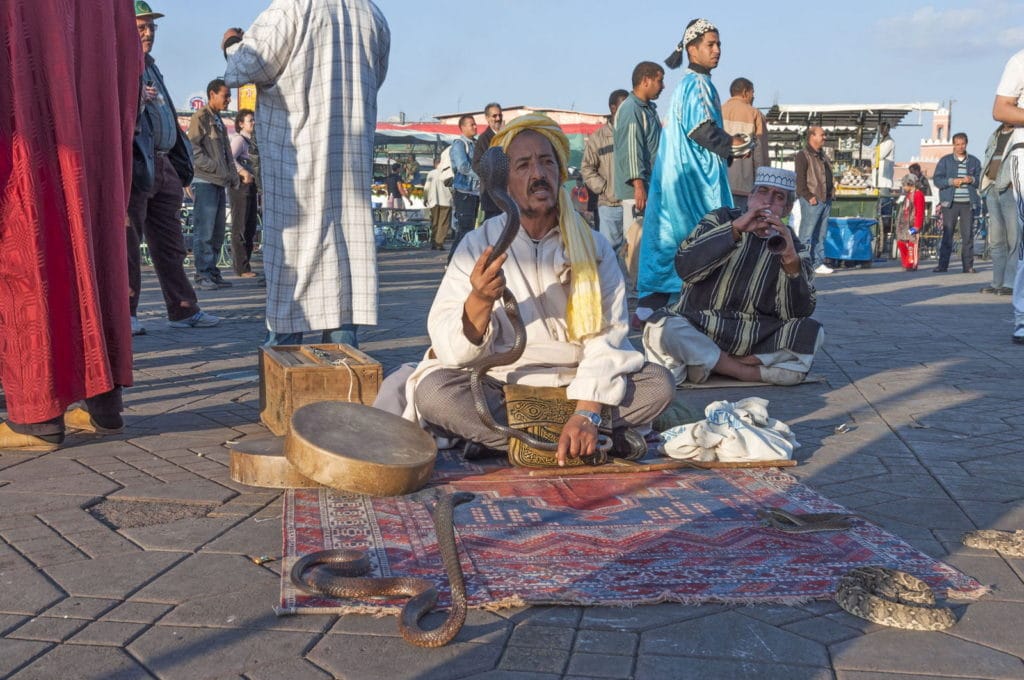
(345, 570)
(803, 523)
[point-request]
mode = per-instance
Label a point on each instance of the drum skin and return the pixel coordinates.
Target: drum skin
(359, 449)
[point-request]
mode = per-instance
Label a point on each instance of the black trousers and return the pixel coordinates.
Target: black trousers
(244, 219)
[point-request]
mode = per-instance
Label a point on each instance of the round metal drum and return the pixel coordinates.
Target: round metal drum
(359, 449)
(259, 461)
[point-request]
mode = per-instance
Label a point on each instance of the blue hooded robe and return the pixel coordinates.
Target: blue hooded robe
(687, 182)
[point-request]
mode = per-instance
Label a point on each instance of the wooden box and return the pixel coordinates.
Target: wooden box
(295, 375)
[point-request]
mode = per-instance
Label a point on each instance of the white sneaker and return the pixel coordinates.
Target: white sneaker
(198, 320)
(823, 269)
(137, 327)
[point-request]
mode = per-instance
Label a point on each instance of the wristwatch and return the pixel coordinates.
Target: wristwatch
(594, 418)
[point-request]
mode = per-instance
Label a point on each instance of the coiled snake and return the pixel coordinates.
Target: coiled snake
(345, 570)
(891, 598)
(494, 176)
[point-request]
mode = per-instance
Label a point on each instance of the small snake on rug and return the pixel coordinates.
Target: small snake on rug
(344, 578)
(891, 598)
(803, 523)
(1009, 543)
(494, 176)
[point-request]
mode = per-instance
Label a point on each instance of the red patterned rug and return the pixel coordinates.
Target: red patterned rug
(610, 539)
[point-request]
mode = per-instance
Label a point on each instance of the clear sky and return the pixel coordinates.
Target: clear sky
(449, 56)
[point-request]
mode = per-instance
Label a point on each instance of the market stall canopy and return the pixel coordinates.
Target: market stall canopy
(850, 125)
(419, 133)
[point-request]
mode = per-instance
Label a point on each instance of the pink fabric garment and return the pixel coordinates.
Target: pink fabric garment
(69, 90)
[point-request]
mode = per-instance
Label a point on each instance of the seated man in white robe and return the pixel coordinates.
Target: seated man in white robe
(747, 296)
(572, 300)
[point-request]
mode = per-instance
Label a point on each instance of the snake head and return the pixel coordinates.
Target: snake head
(494, 169)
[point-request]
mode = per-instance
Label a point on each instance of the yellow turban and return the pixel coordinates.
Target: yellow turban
(584, 316)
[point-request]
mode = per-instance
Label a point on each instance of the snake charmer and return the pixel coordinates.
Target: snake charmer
(572, 300)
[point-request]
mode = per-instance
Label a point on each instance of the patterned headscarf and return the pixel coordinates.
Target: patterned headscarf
(584, 316)
(699, 28)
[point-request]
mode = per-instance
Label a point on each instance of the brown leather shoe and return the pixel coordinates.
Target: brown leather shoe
(15, 441)
(79, 419)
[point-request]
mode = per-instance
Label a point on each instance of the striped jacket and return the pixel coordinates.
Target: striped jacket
(737, 294)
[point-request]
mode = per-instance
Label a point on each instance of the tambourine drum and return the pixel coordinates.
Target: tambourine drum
(359, 449)
(260, 461)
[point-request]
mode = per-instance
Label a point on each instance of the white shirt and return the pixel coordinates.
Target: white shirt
(1012, 85)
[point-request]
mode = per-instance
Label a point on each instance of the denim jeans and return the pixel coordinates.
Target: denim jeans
(957, 215)
(610, 217)
(209, 224)
(813, 227)
(1003, 236)
(464, 207)
(345, 335)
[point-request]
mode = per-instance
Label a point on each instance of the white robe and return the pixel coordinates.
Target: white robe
(538, 275)
(317, 66)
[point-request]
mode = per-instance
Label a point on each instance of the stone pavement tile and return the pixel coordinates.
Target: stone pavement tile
(550, 616)
(9, 621)
(356, 657)
(101, 541)
(45, 552)
(66, 661)
(932, 513)
(252, 606)
(90, 608)
(545, 637)
(18, 510)
(517, 675)
(249, 537)
(108, 633)
(774, 614)
(189, 653)
(899, 651)
(1005, 516)
(998, 625)
(137, 612)
(992, 571)
(11, 458)
(644, 618)
(55, 476)
(16, 653)
(199, 435)
(97, 453)
(184, 535)
(202, 574)
(48, 629)
(199, 491)
(862, 675)
(25, 590)
(299, 669)
(606, 642)
(655, 667)
(114, 576)
(534, 659)
(730, 635)
(244, 504)
(977, 489)
(481, 627)
(821, 629)
(590, 665)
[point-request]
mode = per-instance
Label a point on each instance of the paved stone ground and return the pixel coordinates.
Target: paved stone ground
(920, 365)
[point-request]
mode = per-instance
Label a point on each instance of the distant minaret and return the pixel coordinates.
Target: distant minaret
(940, 127)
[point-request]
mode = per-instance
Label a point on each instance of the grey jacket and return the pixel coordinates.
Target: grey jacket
(598, 167)
(211, 150)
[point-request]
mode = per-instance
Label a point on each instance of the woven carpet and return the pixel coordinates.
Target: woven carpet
(609, 539)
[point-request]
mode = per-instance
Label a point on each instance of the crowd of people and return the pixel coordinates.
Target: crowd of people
(693, 222)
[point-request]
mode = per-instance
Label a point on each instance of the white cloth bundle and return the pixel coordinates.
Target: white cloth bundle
(731, 432)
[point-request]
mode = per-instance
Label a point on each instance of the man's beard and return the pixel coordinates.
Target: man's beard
(535, 213)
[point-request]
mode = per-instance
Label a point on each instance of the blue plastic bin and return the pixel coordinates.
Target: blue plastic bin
(850, 238)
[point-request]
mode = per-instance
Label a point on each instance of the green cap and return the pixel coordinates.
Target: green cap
(142, 10)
